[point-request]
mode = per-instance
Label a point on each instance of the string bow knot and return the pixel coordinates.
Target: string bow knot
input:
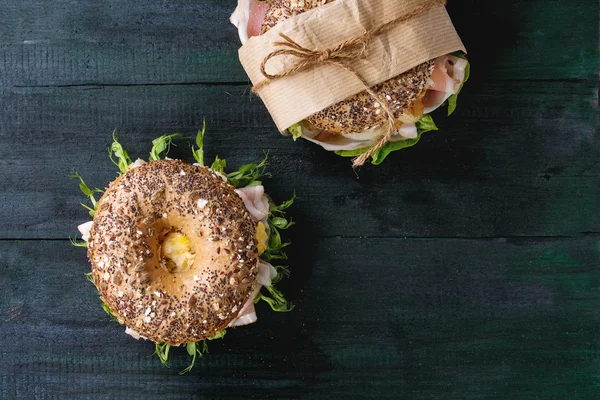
(351, 49)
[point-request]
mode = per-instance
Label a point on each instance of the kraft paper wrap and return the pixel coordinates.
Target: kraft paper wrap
(399, 48)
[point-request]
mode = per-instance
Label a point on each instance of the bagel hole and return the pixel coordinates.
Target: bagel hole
(176, 253)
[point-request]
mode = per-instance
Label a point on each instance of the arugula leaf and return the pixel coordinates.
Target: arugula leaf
(453, 99)
(277, 221)
(88, 192)
(219, 165)
(162, 351)
(249, 174)
(75, 243)
(90, 277)
(107, 310)
(296, 131)
(276, 300)
(199, 153)
(279, 209)
(282, 223)
(118, 151)
(270, 257)
(282, 271)
(162, 145)
(194, 349)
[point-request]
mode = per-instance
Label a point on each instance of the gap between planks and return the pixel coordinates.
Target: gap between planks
(581, 235)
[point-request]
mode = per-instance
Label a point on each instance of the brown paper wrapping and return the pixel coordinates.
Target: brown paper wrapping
(403, 46)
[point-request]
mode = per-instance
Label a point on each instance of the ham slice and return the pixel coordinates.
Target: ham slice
(137, 163)
(266, 273)
(248, 17)
(349, 142)
(255, 201)
(447, 76)
(247, 315)
(134, 334)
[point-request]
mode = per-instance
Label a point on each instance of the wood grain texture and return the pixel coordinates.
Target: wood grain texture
(467, 267)
(498, 170)
(182, 41)
(440, 319)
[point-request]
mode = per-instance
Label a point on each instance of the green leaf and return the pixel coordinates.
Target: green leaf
(276, 300)
(195, 351)
(296, 131)
(459, 54)
(281, 223)
(75, 243)
(381, 155)
(88, 192)
(351, 153)
(116, 150)
(90, 277)
(425, 124)
(267, 256)
(219, 165)
(91, 210)
(162, 145)
(454, 98)
(107, 310)
(218, 335)
(162, 351)
(249, 174)
(279, 209)
(274, 239)
(282, 271)
(191, 348)
(199, 153)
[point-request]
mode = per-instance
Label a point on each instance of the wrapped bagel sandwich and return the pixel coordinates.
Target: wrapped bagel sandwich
(356, 124)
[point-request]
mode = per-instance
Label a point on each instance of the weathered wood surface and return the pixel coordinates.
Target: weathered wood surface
(467, 267)
(490, 171)
(455, 318)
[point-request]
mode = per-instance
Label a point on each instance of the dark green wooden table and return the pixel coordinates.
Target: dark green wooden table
(467, 267)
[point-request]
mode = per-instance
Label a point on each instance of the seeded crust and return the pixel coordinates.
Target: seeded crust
(360, 112)
(140, 207)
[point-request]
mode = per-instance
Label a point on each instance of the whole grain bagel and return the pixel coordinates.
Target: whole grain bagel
(173, 251)
(360, 112)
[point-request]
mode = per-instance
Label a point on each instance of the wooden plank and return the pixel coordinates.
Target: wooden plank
(375, 318)
(112, 42)
(91, 43)
(514, 160)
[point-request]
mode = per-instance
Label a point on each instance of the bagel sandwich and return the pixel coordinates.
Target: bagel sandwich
(353, 126)
(181, 252)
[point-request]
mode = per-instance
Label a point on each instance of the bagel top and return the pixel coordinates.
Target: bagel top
(360, 112)
(135, 271)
